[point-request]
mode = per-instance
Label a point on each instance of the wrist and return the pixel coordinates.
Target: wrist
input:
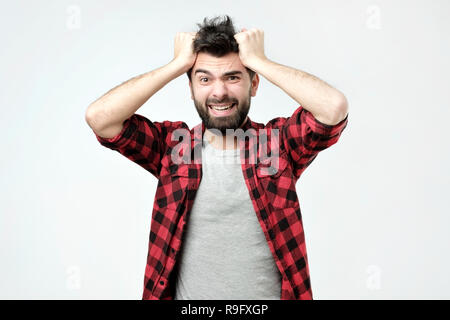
(180, 66)
(258, 64)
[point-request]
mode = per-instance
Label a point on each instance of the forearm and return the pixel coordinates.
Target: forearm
(121, 102)
(327, 104)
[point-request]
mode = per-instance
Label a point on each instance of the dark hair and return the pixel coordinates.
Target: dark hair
(216, 37)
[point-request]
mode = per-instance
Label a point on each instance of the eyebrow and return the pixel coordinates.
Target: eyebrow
(229, 73)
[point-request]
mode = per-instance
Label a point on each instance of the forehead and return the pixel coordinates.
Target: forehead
(218, 66)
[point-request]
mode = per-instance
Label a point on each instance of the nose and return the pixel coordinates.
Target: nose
(219, 90)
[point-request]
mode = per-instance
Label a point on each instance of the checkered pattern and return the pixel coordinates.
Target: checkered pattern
(150, 145)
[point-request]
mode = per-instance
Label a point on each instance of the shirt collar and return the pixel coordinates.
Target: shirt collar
(198, 131)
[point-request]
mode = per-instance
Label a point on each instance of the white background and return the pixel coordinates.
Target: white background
(75, 216)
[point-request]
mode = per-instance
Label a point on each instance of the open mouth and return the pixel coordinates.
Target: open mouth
(222, 110)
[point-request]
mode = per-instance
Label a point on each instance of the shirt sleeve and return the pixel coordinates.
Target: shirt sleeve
(305, 136)
(141, 140)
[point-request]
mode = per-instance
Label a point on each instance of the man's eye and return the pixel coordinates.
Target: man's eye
(230, 77)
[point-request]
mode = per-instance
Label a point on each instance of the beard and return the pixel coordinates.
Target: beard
(232, 121)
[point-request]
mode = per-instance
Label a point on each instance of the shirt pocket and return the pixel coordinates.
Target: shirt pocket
(172, 186)
(271, 167)
(278, 182)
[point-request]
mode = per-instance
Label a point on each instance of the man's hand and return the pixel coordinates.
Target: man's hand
(327, 104)
(251, 46)
(184, 50)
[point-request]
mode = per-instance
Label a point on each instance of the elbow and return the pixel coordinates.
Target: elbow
(341, 109)
(95, 118)
(336, 112)
(89, 116)
(92, 119)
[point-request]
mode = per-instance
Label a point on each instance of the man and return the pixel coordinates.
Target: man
(223, 230)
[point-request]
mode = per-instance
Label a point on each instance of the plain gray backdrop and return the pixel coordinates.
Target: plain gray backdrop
(75, 216)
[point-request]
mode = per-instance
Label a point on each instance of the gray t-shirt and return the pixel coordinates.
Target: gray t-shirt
(225, 254)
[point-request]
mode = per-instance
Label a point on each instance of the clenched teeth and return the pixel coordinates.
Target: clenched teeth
(220, 108)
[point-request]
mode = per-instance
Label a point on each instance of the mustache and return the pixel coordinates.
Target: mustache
(221, 102)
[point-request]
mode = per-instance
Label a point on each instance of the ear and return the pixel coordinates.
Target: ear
(190, 87)
(254, 85)
(192, 90)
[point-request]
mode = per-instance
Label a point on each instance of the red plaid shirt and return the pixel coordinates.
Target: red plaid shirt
(274, 198)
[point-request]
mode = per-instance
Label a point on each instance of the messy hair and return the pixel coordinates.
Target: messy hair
(216, 37)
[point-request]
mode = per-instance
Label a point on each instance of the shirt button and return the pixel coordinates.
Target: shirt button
(161, 282)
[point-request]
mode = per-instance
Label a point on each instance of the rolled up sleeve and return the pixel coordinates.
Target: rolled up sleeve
(141, 141)
(305, 137)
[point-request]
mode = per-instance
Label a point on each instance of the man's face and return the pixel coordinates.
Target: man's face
(220, 83)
